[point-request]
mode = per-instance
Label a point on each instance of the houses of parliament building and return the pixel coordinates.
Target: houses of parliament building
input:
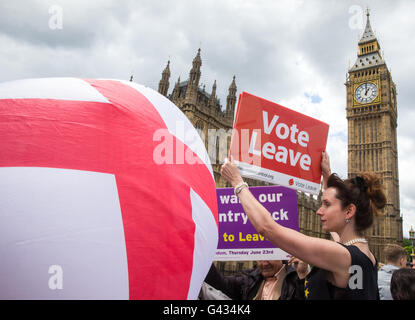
(371, 113)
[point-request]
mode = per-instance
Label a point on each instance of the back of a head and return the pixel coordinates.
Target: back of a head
(393, 253)
(403, 284)
(375, 191)
(365, 192)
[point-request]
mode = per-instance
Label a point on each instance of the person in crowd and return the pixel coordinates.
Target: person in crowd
(395, 257)
(269, 280)
(341, 270)
(402, 285)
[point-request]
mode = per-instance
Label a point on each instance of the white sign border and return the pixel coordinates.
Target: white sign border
(274, 177)
(249, 254)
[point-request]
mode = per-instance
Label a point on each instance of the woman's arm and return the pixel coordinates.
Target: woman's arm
(326, 172)
(323, 253)
(325, 168)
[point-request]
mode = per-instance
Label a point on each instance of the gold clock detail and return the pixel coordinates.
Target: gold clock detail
(366, 92)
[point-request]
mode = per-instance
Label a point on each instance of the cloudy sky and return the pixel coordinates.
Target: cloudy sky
(295, 53)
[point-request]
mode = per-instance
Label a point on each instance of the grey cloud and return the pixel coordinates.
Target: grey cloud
(29, 21)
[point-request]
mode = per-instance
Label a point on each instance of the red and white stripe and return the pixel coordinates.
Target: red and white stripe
(80, 189)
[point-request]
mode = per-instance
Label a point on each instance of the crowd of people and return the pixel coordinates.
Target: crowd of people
(269, 280)
(348, 208)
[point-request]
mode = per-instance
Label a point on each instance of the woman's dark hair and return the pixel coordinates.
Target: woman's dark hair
(365, 192)
(403, 284)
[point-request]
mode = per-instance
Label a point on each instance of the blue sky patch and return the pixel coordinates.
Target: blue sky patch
(315, 98)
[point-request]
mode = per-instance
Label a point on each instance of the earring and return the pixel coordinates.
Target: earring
(347, 220)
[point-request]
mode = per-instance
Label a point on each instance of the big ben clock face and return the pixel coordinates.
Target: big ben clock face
(366, 92)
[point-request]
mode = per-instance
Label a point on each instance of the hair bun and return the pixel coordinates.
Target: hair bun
(374, 191)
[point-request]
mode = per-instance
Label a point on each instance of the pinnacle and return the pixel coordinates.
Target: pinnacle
(368, 34)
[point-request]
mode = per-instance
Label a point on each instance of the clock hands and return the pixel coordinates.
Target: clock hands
(366, 92)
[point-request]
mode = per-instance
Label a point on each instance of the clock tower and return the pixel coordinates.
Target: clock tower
(372, 144)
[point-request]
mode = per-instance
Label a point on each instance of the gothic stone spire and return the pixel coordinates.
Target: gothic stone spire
(231, 99)
(164, 82)
(368, 34)
(194, 77)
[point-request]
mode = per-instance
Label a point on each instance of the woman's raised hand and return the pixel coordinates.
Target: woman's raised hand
(230, 172)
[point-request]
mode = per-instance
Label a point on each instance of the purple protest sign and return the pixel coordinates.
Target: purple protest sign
(238, 239)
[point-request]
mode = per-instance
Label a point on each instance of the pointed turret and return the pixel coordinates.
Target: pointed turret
(197, 60)
(164, 82)
(195, 72)
(368, 34)
(369, 49)
(176, 90)
(212, 98)
(231, 99)
(194, 78)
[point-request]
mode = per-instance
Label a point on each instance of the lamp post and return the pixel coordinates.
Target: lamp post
(412, 238)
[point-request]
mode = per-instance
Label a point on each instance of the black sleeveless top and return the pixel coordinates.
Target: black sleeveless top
(363, 281)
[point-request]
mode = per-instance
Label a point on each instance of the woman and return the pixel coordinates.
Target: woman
(342, 270)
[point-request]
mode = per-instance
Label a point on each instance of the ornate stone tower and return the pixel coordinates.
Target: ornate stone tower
(372, 145)
(164, 82)
(194, 78)
(205, 112)
(231, 99)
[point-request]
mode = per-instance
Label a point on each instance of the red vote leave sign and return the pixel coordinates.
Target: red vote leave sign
(278, 145)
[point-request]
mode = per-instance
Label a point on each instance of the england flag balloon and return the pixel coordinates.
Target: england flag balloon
(106, 192)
